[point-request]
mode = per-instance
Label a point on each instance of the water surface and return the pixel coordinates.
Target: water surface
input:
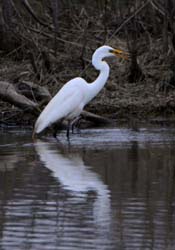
(106, 189)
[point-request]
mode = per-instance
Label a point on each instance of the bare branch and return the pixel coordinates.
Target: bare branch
(32, 13)
(129, 19)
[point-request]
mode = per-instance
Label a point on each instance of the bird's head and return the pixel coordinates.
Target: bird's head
(107, 51)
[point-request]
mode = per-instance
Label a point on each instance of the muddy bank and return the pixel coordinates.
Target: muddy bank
(118, 101)
(150, 99)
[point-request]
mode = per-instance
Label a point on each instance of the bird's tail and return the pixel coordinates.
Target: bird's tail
(35, 129)
(40, 125)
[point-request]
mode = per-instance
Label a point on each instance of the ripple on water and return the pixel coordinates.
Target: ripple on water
(70, 196)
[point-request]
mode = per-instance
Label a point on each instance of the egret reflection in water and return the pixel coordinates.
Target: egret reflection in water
(54, 198)
(78, 179)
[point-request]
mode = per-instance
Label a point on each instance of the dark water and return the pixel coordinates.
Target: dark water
(107, 189)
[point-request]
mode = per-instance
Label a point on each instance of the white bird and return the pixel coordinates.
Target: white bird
(70, 100)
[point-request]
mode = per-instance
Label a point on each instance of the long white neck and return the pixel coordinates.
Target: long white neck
(98, 84)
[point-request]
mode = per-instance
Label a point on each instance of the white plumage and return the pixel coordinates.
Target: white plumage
(69, 102)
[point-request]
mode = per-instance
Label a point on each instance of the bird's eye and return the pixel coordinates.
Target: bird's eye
(111, 51)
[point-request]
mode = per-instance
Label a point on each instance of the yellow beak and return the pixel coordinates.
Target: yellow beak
(121, 54)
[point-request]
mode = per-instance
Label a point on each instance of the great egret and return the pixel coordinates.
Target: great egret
(69, 102)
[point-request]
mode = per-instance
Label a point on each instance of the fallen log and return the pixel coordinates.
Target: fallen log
(33, 91)
(9, 94)
(96, 119)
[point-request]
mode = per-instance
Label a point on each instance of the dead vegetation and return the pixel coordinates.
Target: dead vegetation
(46, 43)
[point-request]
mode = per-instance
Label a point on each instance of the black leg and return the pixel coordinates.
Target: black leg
(68, 129)
(75, 122)
(57, 126)
(55, 130)
(72, 127)
(55, 133)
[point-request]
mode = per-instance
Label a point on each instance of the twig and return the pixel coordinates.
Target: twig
(32, 13)
(58, 38)
(84, 44)
(128, 19)
(155, 6)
